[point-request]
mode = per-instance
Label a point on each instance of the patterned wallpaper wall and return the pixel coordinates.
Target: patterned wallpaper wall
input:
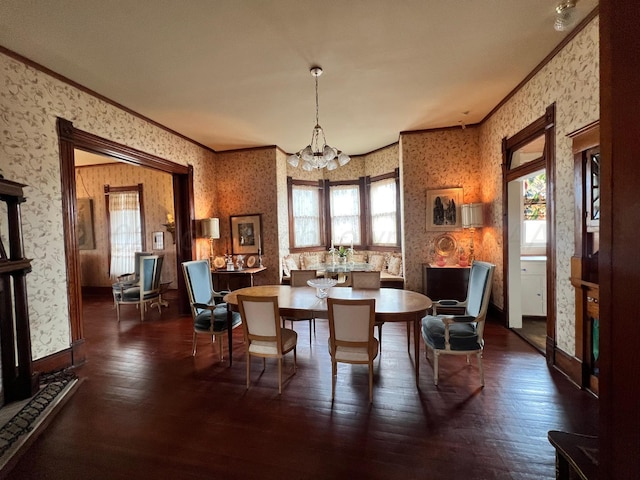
(571, 80)
(30, 102)
(157, 196)
(433, 160)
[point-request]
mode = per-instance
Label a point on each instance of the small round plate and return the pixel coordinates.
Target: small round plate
(219, 262)
(445, 245)
(251, 261)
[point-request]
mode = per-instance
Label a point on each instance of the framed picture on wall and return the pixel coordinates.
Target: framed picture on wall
(246, 234)
(86, 240)
(443, 209)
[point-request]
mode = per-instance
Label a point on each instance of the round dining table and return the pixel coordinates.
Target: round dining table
(392, 305)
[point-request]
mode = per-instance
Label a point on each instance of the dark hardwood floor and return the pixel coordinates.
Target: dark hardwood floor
(147, 409)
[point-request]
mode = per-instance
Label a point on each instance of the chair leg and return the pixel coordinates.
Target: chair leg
(480, 368)
(193, 347)
(435, 367)
(264, 364)
(295, 359)
(221, 349)
(142, 309)
(118, 311)
(380, 336)
(371, 381)
(310, 320)
(248, 368)
(409, 326)
(334, 374)
(280, 376)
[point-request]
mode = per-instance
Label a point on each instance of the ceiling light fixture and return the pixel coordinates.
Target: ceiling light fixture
(565, 15)
(318, 154)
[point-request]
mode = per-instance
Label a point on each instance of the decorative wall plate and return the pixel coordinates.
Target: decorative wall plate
(219, 262)
(251, 261)
(445, 245)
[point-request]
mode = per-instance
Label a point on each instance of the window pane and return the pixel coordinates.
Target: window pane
(306, 216)
(345, 214)
(534, 213)
(383, 212)
(126, 231)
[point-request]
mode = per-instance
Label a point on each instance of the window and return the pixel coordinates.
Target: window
(305, 202)
(363, 212)
(345, 214)
(383, 196)
(126, 227)
(534, 211)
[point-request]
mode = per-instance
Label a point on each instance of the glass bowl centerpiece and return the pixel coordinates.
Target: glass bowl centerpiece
(322, 286)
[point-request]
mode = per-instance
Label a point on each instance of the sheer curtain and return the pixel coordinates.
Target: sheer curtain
(383, 212)
(126, 231)
(345, 214)
(306, 215)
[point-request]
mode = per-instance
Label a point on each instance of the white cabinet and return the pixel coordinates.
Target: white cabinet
(534, 286)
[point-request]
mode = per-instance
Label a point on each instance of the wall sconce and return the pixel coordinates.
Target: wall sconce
(211, 230)
(472, 219)
(171, 226)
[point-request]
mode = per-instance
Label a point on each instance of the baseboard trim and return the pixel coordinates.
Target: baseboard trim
(54, 362)
(569, 366)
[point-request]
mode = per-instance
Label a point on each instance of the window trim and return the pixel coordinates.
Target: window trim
(321, 201)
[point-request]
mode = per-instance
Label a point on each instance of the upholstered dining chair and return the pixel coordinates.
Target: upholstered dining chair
(129, 280)
(208, 312)
(264, 337)
(146, 291)
(351, 337)
(371, 281)
(299, 279)
(461, 334)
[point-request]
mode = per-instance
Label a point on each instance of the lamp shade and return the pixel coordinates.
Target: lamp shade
(472, 215)
(210, 227)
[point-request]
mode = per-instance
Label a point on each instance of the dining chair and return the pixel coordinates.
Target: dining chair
(207, 310)
(351, 337)
(371, 281)
(299, 279)
(129, 280)
(146, 291)
(263, 334)
(461, 334)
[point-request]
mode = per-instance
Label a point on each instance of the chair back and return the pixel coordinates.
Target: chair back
(370, 280)
(150, 271)
(479, 289)
(261, 322)
(351, 322)
(136, 262)
(197, 276)
(299, 277)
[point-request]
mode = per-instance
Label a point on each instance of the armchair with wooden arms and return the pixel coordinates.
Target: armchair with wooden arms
(461, 334)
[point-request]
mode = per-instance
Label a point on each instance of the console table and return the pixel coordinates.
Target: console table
(234, 279)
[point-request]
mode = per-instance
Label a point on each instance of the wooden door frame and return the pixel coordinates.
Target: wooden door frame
(69, 139)
(543, 125)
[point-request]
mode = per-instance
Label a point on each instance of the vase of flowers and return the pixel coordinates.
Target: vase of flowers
(342, 255)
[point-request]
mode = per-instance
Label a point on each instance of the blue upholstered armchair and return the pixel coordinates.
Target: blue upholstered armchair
(461, 334)
(209, 316)
(146, 291)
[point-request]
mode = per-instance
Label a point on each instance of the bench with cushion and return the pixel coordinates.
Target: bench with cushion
(389, 264)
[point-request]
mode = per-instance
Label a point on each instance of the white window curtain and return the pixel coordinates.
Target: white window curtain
(126, 231)
(345, 215)
(383, 212)
(306, 215)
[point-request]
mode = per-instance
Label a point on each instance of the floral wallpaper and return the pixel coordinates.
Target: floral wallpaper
(157, 197)
(30, 102)
(571, 80)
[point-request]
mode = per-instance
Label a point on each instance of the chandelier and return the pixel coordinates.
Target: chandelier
(318, 154)
(565, 15)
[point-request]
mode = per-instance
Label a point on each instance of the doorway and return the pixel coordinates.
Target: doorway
(70, 139)
(529, 233)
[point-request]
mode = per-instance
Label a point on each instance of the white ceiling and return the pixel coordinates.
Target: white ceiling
(235, 73)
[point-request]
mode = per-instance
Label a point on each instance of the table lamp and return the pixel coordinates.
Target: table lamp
(472, 219)
(210, 230)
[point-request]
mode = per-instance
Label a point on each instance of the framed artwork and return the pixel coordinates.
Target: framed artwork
(443, 209)
(246, 233)
(158, 240)
(86, 239)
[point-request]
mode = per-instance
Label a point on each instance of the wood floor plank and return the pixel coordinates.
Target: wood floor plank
(148, 409)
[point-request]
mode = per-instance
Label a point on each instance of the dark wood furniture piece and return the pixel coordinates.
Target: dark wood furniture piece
(445, 283)
(584, 263)
(576, 455)
(230, 280)
(18, 380)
